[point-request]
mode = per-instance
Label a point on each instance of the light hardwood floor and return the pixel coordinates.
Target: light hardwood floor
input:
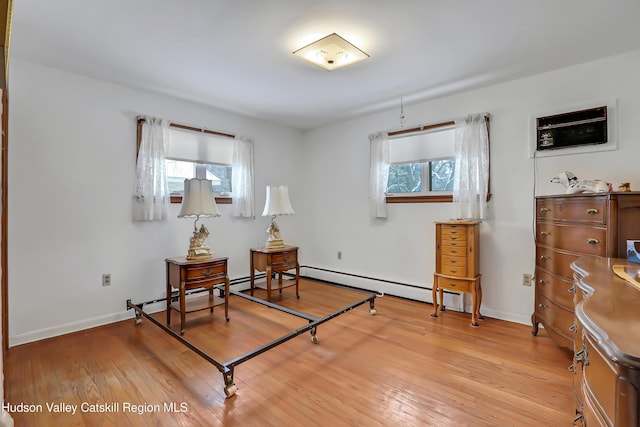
(398, 368)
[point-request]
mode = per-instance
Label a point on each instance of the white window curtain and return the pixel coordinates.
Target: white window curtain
(378, 174)
(242, 177)
(471, 178)
(151, 195)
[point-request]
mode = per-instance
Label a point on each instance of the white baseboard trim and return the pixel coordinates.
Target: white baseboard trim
(68, 328)
(452, 301)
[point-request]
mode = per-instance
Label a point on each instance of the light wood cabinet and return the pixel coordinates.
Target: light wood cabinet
(569, 226)
(458, 264)
(607, 350)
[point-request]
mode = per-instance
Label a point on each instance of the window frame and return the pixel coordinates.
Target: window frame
(225, 200)
(435, 198)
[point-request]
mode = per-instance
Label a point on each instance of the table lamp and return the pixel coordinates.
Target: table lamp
(198, 200)
(277, 203)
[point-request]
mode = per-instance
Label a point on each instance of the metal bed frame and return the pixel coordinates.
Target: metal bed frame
(227, 368)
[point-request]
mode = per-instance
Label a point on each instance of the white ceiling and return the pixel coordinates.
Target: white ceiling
(237, 54)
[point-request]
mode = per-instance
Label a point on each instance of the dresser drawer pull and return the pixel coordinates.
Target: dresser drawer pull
(454, 271)
(572, 289)
(545, 233)
(574, 328)
(544, 210)
(208, 272)
(542, 282)
(592, 211)
(582, 357)
(542, 306)
(543, 257)
(453, 261)
(572, 368)
(593, 241)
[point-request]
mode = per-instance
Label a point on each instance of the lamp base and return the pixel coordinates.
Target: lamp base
(274, 244)
(202, 252)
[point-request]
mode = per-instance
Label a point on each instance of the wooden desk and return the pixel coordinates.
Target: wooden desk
(458, 264)
(275, 260)
(184, 274)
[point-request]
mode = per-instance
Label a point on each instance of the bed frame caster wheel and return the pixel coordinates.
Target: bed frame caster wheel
(314, 339)
(230, 390)
(138, 320)
(372, 311)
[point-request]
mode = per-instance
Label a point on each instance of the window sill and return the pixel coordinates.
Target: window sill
(219, 200)
(444, 198)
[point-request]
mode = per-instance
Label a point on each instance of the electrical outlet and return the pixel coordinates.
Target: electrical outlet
(526, 279)
(106, 279)
(339, 254)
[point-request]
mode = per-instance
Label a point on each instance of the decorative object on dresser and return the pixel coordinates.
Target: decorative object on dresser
(574, 185)
(458, 264)
(184, 274)
(275, 261)
(277, 203)
(197, 201)
(607, 347)
(568, 227)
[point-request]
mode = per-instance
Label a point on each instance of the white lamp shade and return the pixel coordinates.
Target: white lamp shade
(277, 202)
(198, 199)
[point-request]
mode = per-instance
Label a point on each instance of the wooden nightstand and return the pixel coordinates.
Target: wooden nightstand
(458, 263)
(275, 260)
(184, 274)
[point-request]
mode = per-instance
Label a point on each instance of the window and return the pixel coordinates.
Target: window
(422, 163)
(197, 153)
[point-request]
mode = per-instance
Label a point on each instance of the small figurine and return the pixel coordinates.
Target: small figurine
(625, 187)
(575, 185)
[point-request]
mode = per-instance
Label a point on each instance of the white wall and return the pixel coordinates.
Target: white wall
(71, 169)
(402, 247)
(71, 166)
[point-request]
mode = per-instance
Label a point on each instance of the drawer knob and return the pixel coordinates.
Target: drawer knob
(545, 233)
(572, 289)
(544, 210)
(593, 241)
(454, 271)
(592, 211)
(208, 272)
(544, 258)
(453, 285)
(542, 306)
(574, 328)
(542, 282)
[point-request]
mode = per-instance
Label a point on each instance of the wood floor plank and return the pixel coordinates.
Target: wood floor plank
(399, 367)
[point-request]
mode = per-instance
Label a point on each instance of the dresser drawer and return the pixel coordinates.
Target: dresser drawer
(450, 270)
(455, 285)
(556, 261)
(454, 261)
(599, 379)
(583, 210)
(554, 316)
(586, 240)
(455, 250)
(555, 288)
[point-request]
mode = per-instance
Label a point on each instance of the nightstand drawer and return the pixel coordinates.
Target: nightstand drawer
(206, 272)
(284, 260)
(455, 285)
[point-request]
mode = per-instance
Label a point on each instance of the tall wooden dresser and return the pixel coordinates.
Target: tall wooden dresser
(458, 264)
(569, 226)
(607, 354)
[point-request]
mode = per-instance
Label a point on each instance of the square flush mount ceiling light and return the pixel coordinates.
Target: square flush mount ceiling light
(331, 52)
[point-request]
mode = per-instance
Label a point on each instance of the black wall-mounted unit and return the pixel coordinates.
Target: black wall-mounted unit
(584, 127)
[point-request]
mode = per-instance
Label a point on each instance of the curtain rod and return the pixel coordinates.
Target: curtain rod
(423, 128)
(193, 128)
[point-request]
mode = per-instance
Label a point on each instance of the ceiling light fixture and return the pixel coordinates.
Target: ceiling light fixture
(331, 52)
